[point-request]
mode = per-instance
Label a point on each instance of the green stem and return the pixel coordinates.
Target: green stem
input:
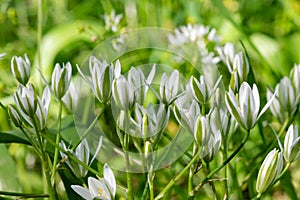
(73, 158)
(57, 142)
(198, 187)
(23, 195)
(39, 32)
(225, 168)
(84, 135)
(45, 163)
(211, 183)
(191, 171)
(150, 181)
(127, 159)
(173, 181)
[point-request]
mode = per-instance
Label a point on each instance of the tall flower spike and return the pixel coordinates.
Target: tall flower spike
(245, 107)
(98, 189)
(291, 148)
(269, 171)
(201, 90)
(20, 69)
(61, 79)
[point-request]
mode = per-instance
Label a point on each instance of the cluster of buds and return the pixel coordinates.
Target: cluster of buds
(151, 120)
(237, 65)
(30, 107)
(98, 189)
(208, 137)
(288, 96)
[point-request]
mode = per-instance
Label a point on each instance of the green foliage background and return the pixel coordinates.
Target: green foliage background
(270, 30)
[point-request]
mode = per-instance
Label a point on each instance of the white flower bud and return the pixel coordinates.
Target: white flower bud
(123, 93)
(201, 90)
(269, 171)
(169, 87)
(61, 78)
(291, 147)
(14, 116)
(26, 100)
(245, 108)
(20, 69)
(287, 96)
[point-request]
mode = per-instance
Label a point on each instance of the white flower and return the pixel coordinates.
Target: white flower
(98, 189)
(275, 107)
(20, 69)
(61, 79)
(207, 137)
(291, 149)
(123, 93)
(245, 108)
(137, 79)
(82, 153)
(41, 114)
(186, 111)
(14, 116)
(287, 95)
(295, 77)
(112, 20)
(102, 77)
(26, 100)
(71, 98)
(269, 171)
(169, 87)
(201, 90)
(150, 121)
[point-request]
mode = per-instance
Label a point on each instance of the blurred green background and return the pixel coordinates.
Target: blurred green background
(270, 30)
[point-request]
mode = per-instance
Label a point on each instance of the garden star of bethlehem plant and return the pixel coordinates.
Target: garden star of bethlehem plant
(98, 189)
(245, 106)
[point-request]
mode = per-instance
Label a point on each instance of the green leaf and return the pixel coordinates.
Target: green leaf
(286, 183)
(15, 136)
(8, 177)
